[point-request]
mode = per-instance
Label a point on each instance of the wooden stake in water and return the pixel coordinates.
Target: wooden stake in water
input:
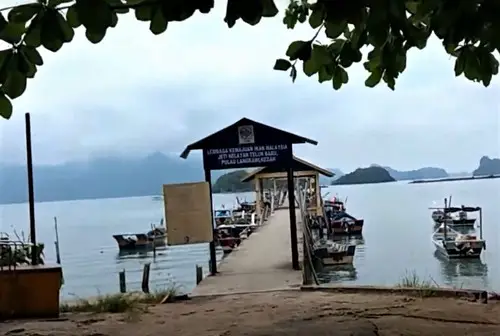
(145, 277)
(122, 281)
(58, 254)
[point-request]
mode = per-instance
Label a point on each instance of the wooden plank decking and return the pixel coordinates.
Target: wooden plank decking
(261, 262)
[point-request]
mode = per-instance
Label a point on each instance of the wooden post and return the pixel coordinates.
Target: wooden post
(199, 274)
(258, 200)
(123, 285)
(293, 221)
(211, 245)
(31, 192)
(145, 278)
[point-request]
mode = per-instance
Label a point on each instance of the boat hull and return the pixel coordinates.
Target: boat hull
(458, 222)
(340, 228)
(342, 257)
(136, 245)
(452, 251)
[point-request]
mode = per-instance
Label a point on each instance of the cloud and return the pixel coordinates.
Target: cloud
(135, 93)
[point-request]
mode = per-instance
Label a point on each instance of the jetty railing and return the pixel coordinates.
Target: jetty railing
(308, 270)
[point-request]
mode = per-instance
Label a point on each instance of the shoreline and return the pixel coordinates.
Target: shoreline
(453, 179)
(290, 312)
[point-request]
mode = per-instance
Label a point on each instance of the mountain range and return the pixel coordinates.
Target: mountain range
(125, 177)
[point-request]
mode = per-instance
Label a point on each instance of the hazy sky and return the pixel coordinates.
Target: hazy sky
(135, 93)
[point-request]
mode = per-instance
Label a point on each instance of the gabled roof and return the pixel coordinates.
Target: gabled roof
(298, 165)
(227, 137)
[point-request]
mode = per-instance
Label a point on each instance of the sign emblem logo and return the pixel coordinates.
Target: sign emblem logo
(246, 135)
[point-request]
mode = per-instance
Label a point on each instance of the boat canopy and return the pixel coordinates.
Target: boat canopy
(223, 213)
(462, 208)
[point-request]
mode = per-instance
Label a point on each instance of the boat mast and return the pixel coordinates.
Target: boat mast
(445, 220)
(481, 223)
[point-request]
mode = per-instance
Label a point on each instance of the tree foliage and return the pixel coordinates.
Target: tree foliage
(469, 31)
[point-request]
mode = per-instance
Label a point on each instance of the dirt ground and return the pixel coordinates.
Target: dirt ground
(282, 313)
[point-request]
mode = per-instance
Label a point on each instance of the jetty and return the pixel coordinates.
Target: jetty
(273, 256)
(262, 262)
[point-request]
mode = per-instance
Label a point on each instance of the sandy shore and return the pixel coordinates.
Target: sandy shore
(281, 313)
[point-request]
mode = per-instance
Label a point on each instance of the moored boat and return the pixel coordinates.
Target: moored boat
(141, 241)
(341, 222)
(227, 237)
(453, 244)
(331, 253)
(223, 216)
(454, 216)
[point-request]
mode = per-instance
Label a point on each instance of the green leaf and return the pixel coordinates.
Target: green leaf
(117, 7)
(72, 17)
(5, 106)
(249, 11)
(114, 19)
(282, 65)
(51, 35)
(321, 54)
(310, 67)
(334, 29)
(13, 32)
(144, 13)
(15, 83)
(95, 37)
(299, 50)
(34, 32)
(472, 67)
(459, 64)
(316, 17)
(374, 78)
(324, 74)
(32, 54)
(66, 31)
(343, 75)
(3, 22)
(290, 20)
(339, 78)
(158, 23)
(25, 67)
(336, 82)
(24, 13)
(96, 16)
(389, 80)
(269, 8)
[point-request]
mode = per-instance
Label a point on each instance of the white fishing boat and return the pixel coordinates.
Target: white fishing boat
(454, 216)
(331, 253)
(453, 244)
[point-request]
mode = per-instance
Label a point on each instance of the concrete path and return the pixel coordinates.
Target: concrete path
(261, 262)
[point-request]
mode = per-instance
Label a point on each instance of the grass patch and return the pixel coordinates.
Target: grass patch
(411, 280)
(117, 303)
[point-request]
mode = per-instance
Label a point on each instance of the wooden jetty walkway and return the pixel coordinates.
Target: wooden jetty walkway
(261, 262)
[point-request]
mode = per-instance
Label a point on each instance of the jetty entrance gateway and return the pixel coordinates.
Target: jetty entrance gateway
(246, 144)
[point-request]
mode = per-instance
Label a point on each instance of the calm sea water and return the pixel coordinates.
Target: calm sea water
(396, 238)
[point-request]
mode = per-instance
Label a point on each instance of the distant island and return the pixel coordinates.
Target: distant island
(463, 178)
(118, 176)
(106, 177)
(422, 173)
(373, 174)
(231, 182)
(487, 166)
(488, 169)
